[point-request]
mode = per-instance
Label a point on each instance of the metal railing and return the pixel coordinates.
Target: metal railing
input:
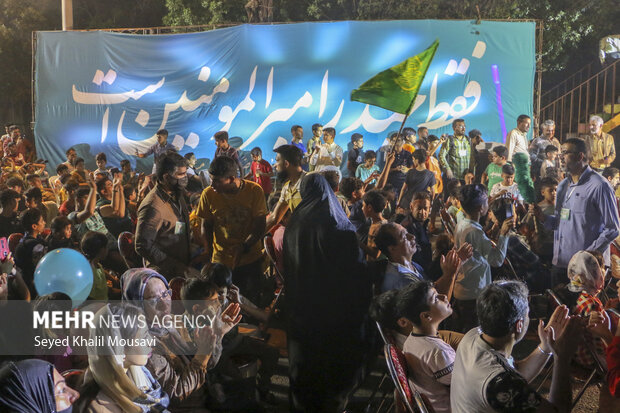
(597, 94)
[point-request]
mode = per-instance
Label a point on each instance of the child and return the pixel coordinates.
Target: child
(79, 173)
(493, 174)
(60, 235)
(355, 156)
(415, 223)
(368, 171)
(261, 171)
(507, 186)
(468, 176)
(129, 176)
(418, 179)
(455, 208)
(476, 272)
(101, 159)
(383, 311)
(373, 204)
(612, 175)
(429, 358)
(542, 238)
(551, 154)
(94, 246)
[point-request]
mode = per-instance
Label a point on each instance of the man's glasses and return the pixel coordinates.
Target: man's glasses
(166, 295)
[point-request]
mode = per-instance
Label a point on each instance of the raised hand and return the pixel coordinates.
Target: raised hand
(465, 252)
(557, 324)
(230, 317)
(599, 325)
(450, 262)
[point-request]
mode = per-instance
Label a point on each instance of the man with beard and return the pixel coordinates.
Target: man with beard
(233, 212)
(162, 235)
(586, 215)
(288, 167)
(600, 144)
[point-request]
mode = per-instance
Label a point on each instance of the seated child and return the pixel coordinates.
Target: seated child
(429, 358)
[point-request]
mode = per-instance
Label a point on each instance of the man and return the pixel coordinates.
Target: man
(329, 155)
(288, 167)
(422, 133)
(162, 233)
(71, 157)
(233, 211)
(317, 134)
(516, 140)
(355, 157)
(297, 132)
(456, 153)
(224, 149)
(487, 379)
(539, 144)
(398, 245)
(600, 144)
(158, 149)
(14, 134)
(586, 215)
(416, 223)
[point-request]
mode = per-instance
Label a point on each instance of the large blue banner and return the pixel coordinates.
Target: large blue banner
(110, 92)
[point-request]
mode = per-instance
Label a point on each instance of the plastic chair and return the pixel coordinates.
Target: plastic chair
(14, 240)
(447, 221)
(270, 250)
(397, 366)
(127, 249)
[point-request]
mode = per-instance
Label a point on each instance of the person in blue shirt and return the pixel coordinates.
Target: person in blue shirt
(586, 214)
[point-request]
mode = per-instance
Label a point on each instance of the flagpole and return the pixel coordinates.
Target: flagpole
(402, 125)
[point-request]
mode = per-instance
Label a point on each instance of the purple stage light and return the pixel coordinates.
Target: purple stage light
(498, 100)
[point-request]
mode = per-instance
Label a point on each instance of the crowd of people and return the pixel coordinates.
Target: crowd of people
(436, 243)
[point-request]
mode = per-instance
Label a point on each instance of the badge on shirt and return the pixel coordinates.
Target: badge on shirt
(463, 153)
(565, 214)
(179, 228)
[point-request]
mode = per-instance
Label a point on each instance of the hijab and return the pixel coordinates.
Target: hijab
(28, 387)
(323, 262)
(584, 273)
(135, 390)
(133, 285)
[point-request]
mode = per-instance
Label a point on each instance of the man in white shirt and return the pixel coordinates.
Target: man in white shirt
(516, 140)
(487, 379)
(327, 156)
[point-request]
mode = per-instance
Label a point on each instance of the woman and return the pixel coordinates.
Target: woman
(116, 380)
(328, 293)
(171, 364)
(34, 386)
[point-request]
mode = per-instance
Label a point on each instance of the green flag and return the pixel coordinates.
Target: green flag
(396, 88)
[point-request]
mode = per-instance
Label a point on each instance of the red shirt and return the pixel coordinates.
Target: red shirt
(613, 367)
(263, 180)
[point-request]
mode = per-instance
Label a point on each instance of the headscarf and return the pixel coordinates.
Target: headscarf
(523, 177)
(323, 262)
(134, 391)
(27, 387)
(584, 273)
(133, 284)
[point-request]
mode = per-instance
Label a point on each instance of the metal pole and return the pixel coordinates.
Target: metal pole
(67, 14)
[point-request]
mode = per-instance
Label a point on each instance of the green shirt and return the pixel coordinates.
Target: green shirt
(494, 172)
(456, 155)
(100, 285)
